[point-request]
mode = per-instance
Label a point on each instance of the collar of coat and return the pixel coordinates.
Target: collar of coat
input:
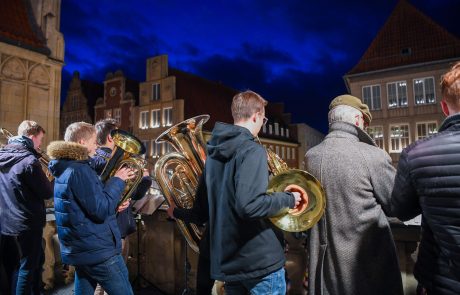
(450, 121)
(67, 150)
(344, 129)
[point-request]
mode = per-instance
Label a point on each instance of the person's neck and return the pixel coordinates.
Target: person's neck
(106, 146)
(247, 125)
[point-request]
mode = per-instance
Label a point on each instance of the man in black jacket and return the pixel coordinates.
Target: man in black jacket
(246, 250)
(23, 189)
(428, 183)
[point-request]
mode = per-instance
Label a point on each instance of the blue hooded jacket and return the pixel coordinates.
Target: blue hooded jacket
(84, 207)
(23, 188)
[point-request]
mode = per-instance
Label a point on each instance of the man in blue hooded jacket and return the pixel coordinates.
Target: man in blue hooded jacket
(85, 213)
(246, 250)
(23, 189)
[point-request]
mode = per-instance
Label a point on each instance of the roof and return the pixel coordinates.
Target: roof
(18, 26)
(92, 91)
(407, 37)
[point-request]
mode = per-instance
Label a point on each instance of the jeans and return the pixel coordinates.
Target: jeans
(111, 274)
(272, 284)
(24, 254)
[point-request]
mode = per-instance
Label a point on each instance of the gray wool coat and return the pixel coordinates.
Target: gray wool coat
(351, 248)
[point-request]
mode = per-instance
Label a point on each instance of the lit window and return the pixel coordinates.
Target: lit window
(399, 137)
(424, 91)
(426, 129)
(376, 133)
(147, 151)
(155, 118)
(371, 97)
(108, 114)
(156, 149)
(287, 132)
(264, 128)
(293, 153)
(282, 131)
(288, 156)
(282, 152)
(277, 131)
(277, 150)
(117, 114)
(270, 129)
(167, 117)
(144, 120)
(397, 94)
(156, 91)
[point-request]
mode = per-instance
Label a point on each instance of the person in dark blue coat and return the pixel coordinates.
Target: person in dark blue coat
(428, 183)
(85, 213)
(23, 187)
(125, 217)
(246, 249)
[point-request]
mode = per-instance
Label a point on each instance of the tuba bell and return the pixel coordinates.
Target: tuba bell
(43, 157)
(178, 173)
(126, 154)
(312, 206)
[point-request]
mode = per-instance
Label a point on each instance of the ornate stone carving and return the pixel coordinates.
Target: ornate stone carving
(14, 69)
(39, 75)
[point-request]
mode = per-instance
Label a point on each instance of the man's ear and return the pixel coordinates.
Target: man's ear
(109, 138)
(445, 108)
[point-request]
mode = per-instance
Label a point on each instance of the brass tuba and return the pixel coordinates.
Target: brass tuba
(126, 154)
(314, 203)
(178, 173)
(43, 157)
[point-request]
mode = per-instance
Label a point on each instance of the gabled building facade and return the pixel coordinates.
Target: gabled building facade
(31, 60)
(79, 103)
(120, 97)
(398, 78)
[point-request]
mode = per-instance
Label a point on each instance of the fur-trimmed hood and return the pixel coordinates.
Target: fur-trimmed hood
(64, 154)
(67, 150)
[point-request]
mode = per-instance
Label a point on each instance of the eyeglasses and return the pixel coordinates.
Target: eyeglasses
(265, 121)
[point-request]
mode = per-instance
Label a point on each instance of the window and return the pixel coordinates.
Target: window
(107, 114)
(167, 117)
(270, 129)
(287, 132)
(277, 131)
(399, 137)
(288, 151)
(282, 152)
(277, 150)
(376, 133)
(371, 97)
(156, 91)
(156, 149)
(293, 153)
(264, 128)
(397, 94)
(147, 151)
(167, 148)
(424, 91)
(144, 120)
(117, 114)
(282, 131)
(155, 118)
(426, 129)
(74, 102)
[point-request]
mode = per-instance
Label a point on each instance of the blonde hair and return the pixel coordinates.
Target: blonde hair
(450, 85)
(245, 104)
(78, 131)
(28, 128)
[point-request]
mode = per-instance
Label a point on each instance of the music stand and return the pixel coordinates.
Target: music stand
(148, 205)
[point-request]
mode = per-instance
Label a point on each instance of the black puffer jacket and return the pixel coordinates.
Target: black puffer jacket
(428, 182)
(23, 188)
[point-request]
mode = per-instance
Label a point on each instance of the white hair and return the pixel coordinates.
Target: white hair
(344, 113)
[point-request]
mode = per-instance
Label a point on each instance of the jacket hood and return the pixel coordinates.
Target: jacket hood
(225, 140)
(25, 141)
(62, 152)
(13, 153)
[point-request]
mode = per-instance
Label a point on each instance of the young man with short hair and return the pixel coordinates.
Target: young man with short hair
(85, 213)
(23, 189)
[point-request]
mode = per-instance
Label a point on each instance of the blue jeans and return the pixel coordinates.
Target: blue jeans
(111, 274)
(272, 284)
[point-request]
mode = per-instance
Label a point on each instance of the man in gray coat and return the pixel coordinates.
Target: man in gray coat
(351, 248)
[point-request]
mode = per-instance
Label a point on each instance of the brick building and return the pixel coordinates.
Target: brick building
(398, 77)
(79, 103)
(121, 95)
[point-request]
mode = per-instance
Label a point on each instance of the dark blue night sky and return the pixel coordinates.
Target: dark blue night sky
(294, 52)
